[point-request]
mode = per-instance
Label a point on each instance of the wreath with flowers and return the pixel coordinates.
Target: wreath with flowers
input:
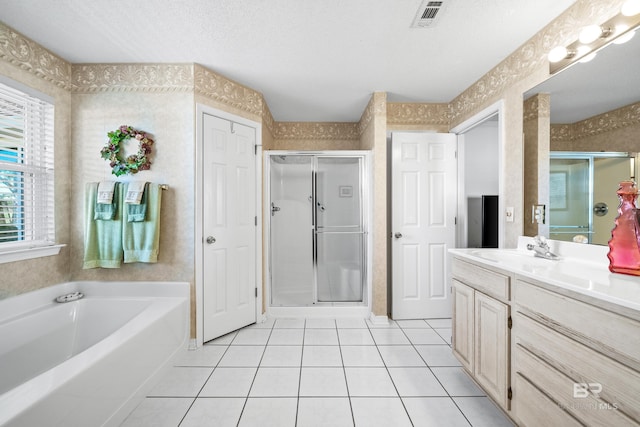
(133, 163)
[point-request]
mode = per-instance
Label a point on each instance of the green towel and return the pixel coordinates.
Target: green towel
(102, 238)
(137, 213)
(141, 240)
(106, 211)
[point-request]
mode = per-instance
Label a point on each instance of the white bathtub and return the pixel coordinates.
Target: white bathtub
(87, 362)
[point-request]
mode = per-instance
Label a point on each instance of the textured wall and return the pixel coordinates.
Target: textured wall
(27, 63)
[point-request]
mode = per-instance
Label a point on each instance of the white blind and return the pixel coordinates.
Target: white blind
(26, 169)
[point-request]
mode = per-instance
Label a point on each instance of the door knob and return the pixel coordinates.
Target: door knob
(397, 235)
(211, 239)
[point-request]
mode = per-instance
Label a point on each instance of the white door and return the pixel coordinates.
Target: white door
(229, 229)
(423, 215)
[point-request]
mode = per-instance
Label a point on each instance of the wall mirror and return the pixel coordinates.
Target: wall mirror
(595, 140)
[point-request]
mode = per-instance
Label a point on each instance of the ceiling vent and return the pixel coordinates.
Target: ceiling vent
(428, 14)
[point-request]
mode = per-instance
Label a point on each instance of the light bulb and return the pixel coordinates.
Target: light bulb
(625, 37)
(631, 8)
(557, 54)
(588, 57)
(590, 34)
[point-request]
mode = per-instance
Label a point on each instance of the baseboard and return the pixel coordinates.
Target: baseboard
(379, 320)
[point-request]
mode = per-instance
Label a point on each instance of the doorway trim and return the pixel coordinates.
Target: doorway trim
(199, 204)
(363, 310)
(496, 108)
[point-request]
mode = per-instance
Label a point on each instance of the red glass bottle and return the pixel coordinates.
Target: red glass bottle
(624, 246)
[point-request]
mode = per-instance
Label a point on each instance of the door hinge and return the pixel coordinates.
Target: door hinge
(256, 220)
(455, 220)
(255, 149)
(509, 322)
(256, 292)
(509, 393)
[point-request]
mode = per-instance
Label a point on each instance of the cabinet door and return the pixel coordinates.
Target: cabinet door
(462, 332)
(491, 347)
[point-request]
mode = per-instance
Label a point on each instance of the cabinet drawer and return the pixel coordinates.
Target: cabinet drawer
(533, 409)
(486, 281)
(607, 332)
(555, 363)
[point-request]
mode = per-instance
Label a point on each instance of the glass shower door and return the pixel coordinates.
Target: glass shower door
(339, 229)
(292, 272)
(569, 198)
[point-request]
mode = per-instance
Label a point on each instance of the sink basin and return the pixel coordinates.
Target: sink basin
(511, 257)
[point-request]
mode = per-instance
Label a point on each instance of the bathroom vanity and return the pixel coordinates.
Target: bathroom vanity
(551, 342)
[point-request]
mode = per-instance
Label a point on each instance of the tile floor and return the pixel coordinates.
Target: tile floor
(320, 372)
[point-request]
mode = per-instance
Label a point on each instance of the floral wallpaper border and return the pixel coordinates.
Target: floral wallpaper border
(606, 122)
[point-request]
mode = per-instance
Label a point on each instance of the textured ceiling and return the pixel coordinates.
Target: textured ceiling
(312, 60)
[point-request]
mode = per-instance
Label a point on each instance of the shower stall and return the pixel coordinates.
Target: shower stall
(318, 212)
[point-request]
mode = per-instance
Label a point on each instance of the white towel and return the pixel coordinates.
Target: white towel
(134, 192)
(105, 192)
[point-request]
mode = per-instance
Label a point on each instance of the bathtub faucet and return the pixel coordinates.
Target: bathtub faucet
(74, 296)
(541, 248)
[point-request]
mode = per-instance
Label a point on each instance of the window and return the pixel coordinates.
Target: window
(26, 170)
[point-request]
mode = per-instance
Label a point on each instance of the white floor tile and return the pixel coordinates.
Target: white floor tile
(439, 323)
(400, 355)
(321, 355)
(445, 333)
(391, 324)
(437, 355)
(320, 337)
(320, 324)
(361, 355)
(434, 412)
(181, 382)
(223, 340)
(158, 412)
(282, 356)
(416, 382)
(242, 356)
(267, 324)
(325, 382)
(351, 323)
(286, 337)
(276, 382)
(229, 382)
(269, 412)
(252, 337)
(410, 324)
(324, 412)
(379, 412)
(389, 336)
(369, 382)
(422, 336)
(481, 412)
(457, 382)
(207, 355)
(289, 323)
(355, 337)
(214, 412)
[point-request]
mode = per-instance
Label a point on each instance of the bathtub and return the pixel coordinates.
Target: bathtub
(88, 362)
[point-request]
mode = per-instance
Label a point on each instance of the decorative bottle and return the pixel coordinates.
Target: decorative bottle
(624, 246)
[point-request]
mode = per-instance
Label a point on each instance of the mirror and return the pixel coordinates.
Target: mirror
(595, 125)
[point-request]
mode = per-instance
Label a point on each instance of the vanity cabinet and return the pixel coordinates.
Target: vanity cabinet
(480, 335)
(574, 363)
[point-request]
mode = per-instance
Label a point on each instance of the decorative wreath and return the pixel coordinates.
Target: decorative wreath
(133, 163)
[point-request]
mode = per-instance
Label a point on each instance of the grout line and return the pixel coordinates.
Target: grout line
(344, 373)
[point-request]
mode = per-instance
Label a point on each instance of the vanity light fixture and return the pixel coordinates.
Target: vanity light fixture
(631, 8)
(592, 38)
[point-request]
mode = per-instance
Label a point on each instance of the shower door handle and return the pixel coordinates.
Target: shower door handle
(274, 209)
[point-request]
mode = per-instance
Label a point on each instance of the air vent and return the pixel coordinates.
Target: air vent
(428, 14)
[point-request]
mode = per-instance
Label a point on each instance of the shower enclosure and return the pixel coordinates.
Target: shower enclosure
(317, 229)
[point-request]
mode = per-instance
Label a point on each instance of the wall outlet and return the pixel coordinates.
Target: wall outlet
(510, 214)
(538, 214)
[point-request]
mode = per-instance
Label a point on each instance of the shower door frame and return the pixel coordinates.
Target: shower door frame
(321, 308)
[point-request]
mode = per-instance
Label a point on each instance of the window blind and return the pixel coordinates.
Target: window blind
(26, 170)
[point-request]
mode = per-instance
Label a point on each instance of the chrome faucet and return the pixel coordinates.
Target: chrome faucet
(541, 248)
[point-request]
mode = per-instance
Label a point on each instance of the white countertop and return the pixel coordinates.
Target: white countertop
(582, 269)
